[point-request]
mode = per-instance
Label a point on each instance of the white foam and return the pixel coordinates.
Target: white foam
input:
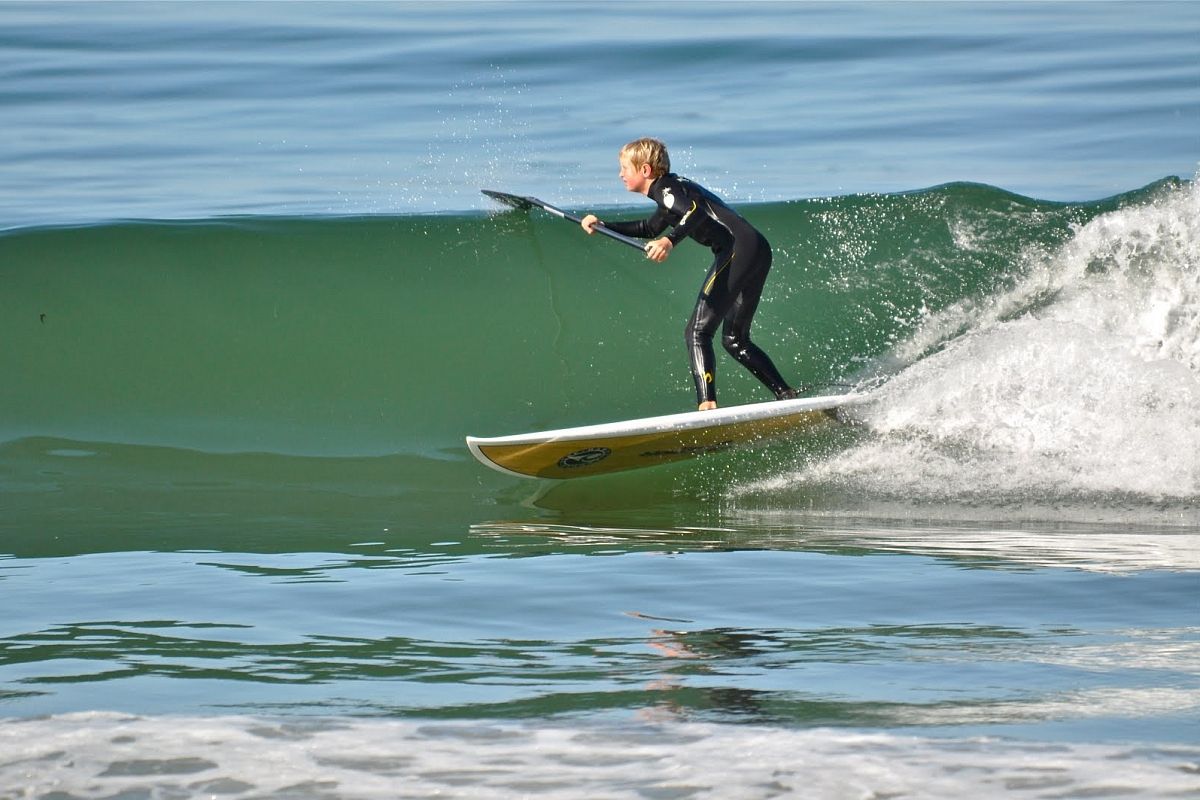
(104, 755)
(1081, 382)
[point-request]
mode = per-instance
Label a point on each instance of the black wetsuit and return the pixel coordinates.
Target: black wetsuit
(732, 287)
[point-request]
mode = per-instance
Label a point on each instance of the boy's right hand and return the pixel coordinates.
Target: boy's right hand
(589, 223)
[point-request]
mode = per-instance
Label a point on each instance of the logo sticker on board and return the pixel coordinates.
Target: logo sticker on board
(584, 458)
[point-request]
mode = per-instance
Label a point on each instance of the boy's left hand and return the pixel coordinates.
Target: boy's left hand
(659, 249)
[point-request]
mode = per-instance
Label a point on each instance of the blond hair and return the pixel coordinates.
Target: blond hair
(648, 151)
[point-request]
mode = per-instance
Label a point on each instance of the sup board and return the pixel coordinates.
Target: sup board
(616, 446)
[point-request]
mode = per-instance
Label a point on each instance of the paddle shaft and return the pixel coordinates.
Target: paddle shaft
(620, 237)
(515, 200)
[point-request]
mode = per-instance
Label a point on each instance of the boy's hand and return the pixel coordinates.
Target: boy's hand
(589, 223)
(659, 249)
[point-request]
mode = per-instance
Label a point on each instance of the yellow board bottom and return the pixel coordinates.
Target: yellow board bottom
(588, 453)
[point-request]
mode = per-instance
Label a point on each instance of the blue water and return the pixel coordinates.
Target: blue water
(251, 301)
(156, 110)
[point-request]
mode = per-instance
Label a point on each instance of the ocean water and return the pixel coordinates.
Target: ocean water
(251, 301)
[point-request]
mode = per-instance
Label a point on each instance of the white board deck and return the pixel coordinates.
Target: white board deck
(632, 444)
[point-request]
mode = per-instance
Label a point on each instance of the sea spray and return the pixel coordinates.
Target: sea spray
(1079, 382)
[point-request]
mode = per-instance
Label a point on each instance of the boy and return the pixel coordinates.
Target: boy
(734, 283)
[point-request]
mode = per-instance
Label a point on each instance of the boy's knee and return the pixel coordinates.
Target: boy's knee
(733, 343)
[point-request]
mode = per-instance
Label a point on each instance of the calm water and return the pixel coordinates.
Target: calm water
(192, 110)
(251, 301)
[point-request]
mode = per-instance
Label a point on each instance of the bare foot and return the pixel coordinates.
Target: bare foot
(708, 405)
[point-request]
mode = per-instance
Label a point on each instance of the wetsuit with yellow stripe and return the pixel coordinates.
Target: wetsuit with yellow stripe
(733, 286)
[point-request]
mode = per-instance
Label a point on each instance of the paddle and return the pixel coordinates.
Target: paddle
(525, 203)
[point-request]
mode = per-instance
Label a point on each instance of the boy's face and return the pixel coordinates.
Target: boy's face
(636, 179)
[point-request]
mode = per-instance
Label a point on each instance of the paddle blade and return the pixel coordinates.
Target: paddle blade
(515, 201)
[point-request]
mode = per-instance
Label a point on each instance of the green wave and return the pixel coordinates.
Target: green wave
(398, 335)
